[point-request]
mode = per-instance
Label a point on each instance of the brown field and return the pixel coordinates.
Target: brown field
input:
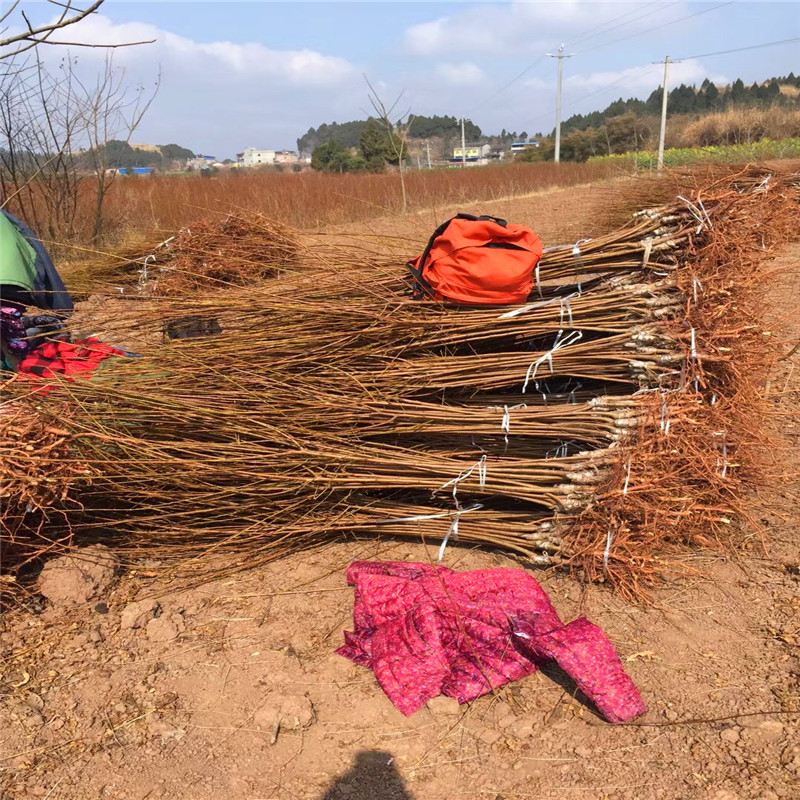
(97, 707)
(146, 206)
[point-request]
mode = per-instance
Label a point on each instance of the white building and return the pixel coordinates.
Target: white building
(253, 157)
(518, 147)
(474, 155)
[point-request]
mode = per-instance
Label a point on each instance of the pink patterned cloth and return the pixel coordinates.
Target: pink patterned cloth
(426, 630)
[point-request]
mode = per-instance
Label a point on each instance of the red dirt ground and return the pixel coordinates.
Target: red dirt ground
(106, 700)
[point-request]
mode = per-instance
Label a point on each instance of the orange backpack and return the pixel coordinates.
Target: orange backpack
(478, 261)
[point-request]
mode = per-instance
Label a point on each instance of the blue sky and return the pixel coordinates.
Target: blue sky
(238, 74)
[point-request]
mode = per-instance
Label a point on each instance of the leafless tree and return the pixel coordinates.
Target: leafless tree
(396, 132)
(18, 34)
(110, 112)
(55, 130)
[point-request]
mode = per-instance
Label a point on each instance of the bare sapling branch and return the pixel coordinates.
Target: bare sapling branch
(18, 38)
(397, 133)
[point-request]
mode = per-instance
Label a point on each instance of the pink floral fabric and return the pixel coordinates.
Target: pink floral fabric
(426, 630)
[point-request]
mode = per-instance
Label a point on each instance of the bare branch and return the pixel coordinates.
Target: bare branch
(18, 43)
(62, 22)
(397, 133)
(106, 46)
(56, 137)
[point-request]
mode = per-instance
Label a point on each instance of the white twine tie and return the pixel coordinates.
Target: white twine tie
(699, 213)
(609, 539)
(579, 265)
(480, 466)
(505, 424)
(517, 311)
(571, 338)
(722, 462)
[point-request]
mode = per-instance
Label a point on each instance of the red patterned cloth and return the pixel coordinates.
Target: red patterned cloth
(67, 359)
(427, 630)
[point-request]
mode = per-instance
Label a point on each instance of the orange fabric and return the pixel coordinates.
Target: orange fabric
(460, 267)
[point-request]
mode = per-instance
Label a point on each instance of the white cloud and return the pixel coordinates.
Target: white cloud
(638, 81)
(221, 96)
(463, 74)
(526, 28)
(241, 61)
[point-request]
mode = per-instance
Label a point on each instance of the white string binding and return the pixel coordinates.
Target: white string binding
(609, 539)
(421, 517)
(664, 415)
(452, 531)
(627, 478)
(142, 282)
(696, 284)
(480, 466)
(579, 265)
(517, 311)
(722, 462)
(571, 338)
(505, 424)
(700, 214)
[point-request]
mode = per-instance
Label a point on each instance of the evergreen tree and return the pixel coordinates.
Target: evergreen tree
(711, 96)
(773, 91)
(333, 156)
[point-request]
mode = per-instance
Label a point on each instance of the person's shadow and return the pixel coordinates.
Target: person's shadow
(372, 776)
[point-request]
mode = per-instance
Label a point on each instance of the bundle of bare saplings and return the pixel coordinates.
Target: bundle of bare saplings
(607, 424)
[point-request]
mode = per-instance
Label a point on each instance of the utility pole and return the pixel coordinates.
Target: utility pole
(428, 148)
(560, 56)
(663, 135)
(463, 145)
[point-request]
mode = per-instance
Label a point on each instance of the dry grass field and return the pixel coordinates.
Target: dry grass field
(144, 206)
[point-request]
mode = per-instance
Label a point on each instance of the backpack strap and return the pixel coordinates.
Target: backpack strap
(416, 272)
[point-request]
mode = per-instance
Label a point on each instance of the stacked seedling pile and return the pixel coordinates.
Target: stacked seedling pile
(602, 423)
(40, 476)
(228, 250)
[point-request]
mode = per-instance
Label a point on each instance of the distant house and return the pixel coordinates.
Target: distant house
(471, 154)
(518, 147)
(286, 157)
(253, 157)
(200, 162)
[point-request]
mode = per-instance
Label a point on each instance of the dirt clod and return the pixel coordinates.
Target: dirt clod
(285, 712)
(443, 706)
(76, 578)
(138, 614)
(165, 628)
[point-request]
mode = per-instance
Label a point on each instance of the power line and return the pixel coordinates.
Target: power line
(639, 71)
(510, 83)
(657, 27)
(589, 33)
(663, 7)
(635, 73)
(739, 49)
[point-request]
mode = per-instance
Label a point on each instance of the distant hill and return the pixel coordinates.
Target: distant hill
(161, 156)
(349, 133)
(698, 117)
(622, 126)
(707, 99)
